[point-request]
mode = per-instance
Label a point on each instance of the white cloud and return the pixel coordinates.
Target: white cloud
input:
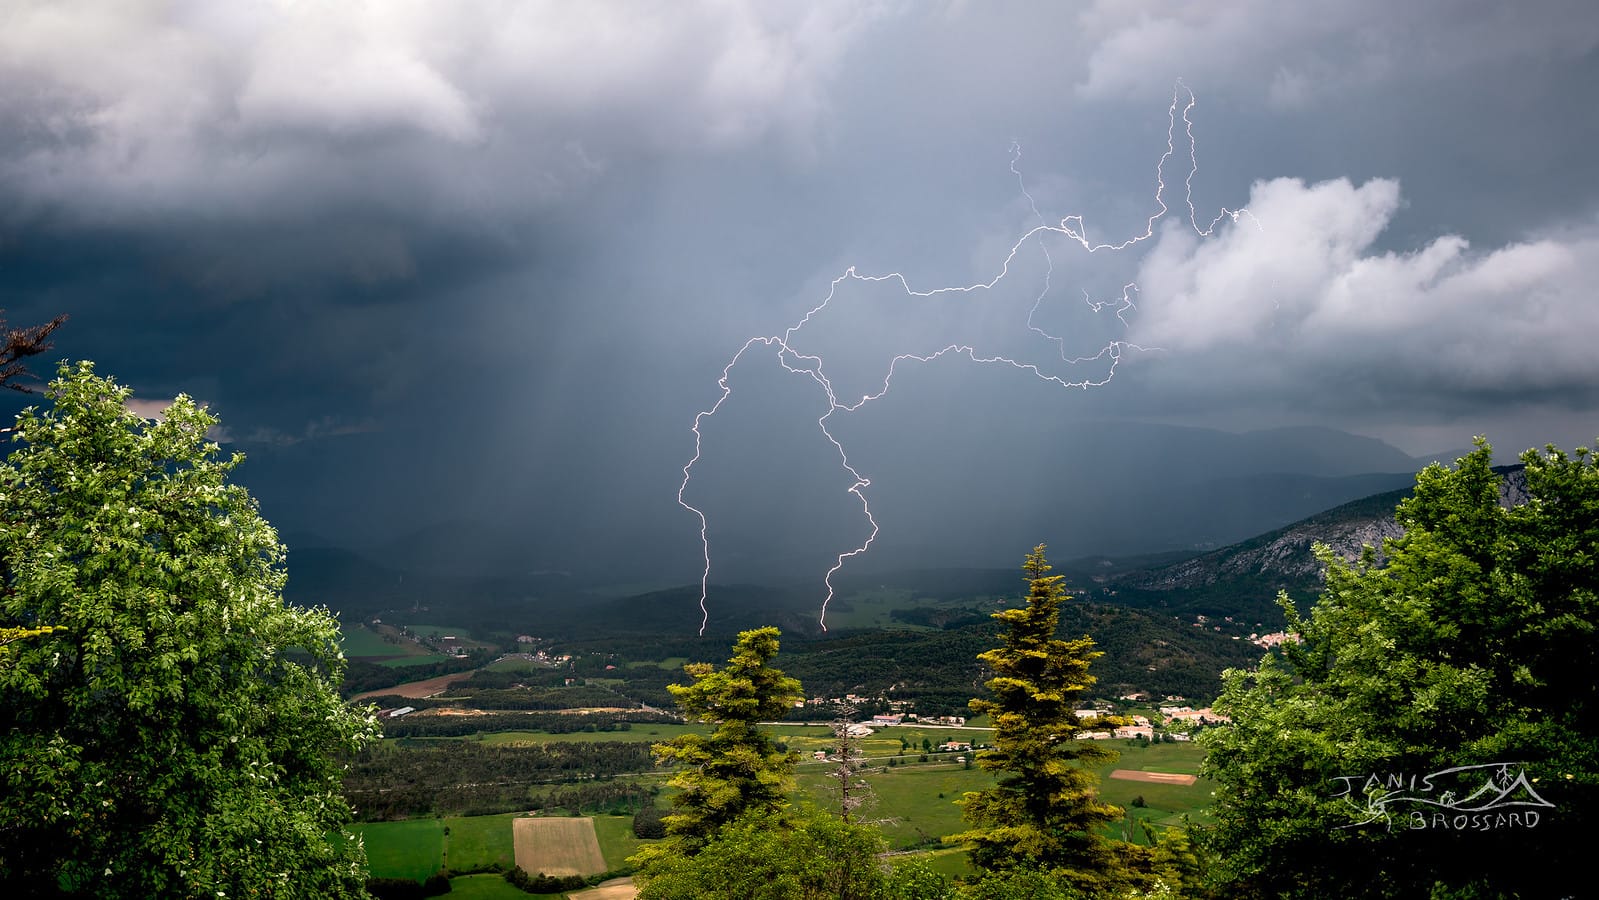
(1304, 297)
(115, 109)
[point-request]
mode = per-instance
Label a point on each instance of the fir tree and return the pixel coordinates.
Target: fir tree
(1043, 813)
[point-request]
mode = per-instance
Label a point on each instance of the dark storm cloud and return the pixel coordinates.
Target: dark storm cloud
(433, 261)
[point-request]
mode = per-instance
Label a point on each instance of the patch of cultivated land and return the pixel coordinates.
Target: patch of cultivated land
(557, 846)
(416, 690)
(1152, 777)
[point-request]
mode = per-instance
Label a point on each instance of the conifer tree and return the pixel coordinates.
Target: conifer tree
(1043, 813)
(738, 768)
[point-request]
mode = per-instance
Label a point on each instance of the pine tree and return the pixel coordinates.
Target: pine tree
(1043, 813)
(738, 768)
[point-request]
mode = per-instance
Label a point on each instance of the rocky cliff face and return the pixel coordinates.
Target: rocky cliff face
(1285, 555)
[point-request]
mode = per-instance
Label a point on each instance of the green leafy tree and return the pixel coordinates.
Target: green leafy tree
(1473, 645)
(175, 732)
(1043, 813)
(799, 854)
(738, 768)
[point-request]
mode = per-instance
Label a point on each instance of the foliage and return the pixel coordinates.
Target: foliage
(178, 733)
(800, 854)
(1043, 812)
(8, 634)
(1474, 645)
(470, 778)
(647, 823)
(1020, 884)
(738, 768)
(544, 884)
(435, 885)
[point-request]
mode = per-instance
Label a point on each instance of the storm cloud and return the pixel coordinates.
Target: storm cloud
(440, 263)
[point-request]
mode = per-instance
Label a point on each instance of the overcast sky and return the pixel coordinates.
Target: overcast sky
(430, 260)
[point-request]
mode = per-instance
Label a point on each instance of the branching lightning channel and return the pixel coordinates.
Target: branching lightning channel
(1073, 228)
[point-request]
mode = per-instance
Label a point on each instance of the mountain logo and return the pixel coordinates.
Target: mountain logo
(1483, 797)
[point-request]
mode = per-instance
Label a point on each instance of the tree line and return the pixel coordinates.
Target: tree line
(405, 779)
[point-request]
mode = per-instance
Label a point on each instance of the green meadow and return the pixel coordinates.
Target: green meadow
(410, 849)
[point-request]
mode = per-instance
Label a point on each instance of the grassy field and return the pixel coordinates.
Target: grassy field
(670, 664)
(915, 804)
(487, 887)
(359, 640)
(419, 659)
(409, 849)
(438, 631)
(870, 609)
(916, 801)
(617, 842)
(475, 842)
(516, 664)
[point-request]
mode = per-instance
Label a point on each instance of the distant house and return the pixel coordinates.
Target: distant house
(954, 746)
(858, 730)
(1204, 716)
(888, 719)
(1134, 731)
(1086, 715)
(396, 713)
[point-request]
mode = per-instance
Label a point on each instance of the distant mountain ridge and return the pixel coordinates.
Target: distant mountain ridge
(1243, 579)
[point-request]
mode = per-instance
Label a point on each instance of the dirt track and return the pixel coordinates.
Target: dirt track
(615, 889)
(1152, 777)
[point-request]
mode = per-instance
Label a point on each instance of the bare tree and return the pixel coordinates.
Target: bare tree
(848, 762)
(17, 344)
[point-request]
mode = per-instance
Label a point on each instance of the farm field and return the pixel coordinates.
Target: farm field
(871, 609)
(475, 842)
(557, 846)
(421, 659)
(616, 838)
(417, 689)
(517, 664)
(486, 887)
(914, 813)
(416, 848)
(410, 849)
(909, 806)
(463, 635)
(359, 640)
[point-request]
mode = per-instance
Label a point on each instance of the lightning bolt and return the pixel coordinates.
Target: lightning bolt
(1073, 228)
